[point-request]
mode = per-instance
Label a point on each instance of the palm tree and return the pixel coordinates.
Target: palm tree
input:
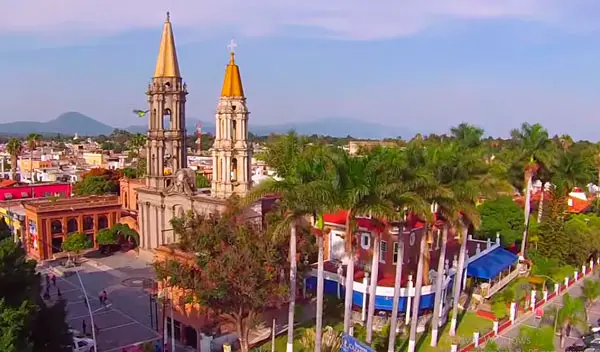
(368, 184)
(535, 148)
(417, 300)
(303, 192)
(14, 148)
(439, 281)
(570, 170)
(590, 291)
(467, 135)
(33, 139)
(396, 298)
(331, 340)
(320, 232)
(572, 313)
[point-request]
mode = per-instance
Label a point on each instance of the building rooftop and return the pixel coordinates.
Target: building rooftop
(61, 204)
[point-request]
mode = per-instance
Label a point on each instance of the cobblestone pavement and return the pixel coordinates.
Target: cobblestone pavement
(506, 338)
(125, 319)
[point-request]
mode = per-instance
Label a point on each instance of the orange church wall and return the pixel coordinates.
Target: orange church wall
(128, 192)
(192, 315)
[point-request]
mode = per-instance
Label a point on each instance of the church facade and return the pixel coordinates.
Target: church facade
(167, 196)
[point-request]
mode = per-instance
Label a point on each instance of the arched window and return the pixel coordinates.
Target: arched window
(88, 223)
(102, 222)
(72, 225)
(233, 169)
(56, 227)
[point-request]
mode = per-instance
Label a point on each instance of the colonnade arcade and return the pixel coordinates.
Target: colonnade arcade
(89, 225)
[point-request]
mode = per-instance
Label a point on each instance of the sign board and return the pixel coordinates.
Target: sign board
(350, 344)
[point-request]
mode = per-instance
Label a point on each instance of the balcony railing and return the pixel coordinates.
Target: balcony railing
(500, 284)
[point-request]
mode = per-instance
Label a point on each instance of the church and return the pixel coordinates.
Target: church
(167, 196)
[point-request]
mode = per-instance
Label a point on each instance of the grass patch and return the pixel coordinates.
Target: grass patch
(469, 323)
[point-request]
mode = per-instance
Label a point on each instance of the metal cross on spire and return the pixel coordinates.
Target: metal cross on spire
(232, 45)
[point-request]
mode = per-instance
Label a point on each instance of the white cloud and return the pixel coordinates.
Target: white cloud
(344, 19)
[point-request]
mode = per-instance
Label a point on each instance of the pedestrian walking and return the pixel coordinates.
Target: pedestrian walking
(104, 295)
(54, 280)
(47, 280)
(83, 327)
(101, 299)
(58, 293)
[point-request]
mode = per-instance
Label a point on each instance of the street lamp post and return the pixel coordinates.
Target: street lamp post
(87, 301)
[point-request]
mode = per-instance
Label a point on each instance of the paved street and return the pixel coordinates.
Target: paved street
(126, 318)
(505, 339)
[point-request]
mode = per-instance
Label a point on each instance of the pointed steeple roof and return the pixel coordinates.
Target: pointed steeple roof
(166, 64)
(232, 84)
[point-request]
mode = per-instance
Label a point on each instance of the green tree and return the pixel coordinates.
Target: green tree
(572, 313)
(26, 323)
(14, 324)
(590, 291)
(236, 279)
(75, 243)
(304, 191)
(137, 142)
(202, 181)
(552, 237)
(571, 169)
(106, 237)
(98, 181)
(33, 140)
(502, 216)
(14, 149)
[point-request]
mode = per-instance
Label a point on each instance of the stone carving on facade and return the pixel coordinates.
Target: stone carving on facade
(433, 276)
(184, 182)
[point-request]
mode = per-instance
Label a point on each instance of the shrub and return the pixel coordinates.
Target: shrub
(499, 309)
(107, 237)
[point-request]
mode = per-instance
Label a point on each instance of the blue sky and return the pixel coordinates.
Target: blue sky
(422, 65)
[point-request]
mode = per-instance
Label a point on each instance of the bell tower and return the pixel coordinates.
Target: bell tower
(166, 127)
(231, 151)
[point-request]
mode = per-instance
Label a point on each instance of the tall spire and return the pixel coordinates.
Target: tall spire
(232, 85)
(166, 64)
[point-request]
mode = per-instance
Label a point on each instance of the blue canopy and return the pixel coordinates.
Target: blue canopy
(491, 264)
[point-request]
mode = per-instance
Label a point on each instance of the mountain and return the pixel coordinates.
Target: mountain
(334, 127)
(68, 123)
(72, 122)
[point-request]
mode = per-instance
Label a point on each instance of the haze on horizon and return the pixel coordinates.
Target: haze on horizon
(422, 65)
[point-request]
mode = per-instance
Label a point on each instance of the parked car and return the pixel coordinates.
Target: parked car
(576, 348)
(82, 343)
(108, 249)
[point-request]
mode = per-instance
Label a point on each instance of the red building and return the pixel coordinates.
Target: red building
(12, 190)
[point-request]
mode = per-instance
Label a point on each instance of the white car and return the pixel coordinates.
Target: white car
(82, 343)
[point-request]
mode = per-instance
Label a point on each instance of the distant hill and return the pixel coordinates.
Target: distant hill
(70, 123)
(334, 127)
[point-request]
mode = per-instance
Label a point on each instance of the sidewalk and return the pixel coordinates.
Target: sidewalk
(507, 333)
